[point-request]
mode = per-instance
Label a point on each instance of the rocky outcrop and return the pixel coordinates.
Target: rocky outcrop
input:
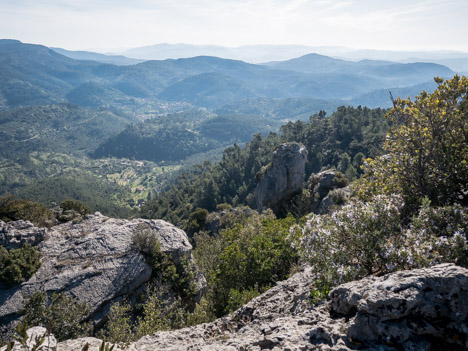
(95, 261)
(327, 191)
(14, 235)
(283, 178)
(423, 309)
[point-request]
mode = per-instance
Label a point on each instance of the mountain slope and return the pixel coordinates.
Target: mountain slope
(65, 128)
(176, 137)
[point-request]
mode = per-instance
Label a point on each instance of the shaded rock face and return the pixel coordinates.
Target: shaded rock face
(95, 261)
(423, 309)
(328, 192)
(284, 177)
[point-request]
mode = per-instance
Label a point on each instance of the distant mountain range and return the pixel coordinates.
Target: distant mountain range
(118, 60)
(35, 75)
(455, 60)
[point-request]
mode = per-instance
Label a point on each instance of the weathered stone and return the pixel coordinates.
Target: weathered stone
(14, 235)
(407, 307)
(423, 309)
(34, 334)
(326, 182)
(284, 178)
(96, 262)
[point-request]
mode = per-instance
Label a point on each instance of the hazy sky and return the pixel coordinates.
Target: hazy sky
(107, 25)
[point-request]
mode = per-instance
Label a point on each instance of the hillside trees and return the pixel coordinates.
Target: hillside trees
(348, 134)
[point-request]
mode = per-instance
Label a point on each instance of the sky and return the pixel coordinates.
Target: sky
(115, 25)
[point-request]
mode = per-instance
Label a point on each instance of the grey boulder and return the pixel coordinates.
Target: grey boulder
(283, 178)
(95, 261)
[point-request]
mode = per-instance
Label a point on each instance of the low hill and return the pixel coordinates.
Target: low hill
(207, 89)
(66, 128)
(178, 136)
(280, 109)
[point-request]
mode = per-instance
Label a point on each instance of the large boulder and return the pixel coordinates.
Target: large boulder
(95, 261)
(283, 178)
(423, 309)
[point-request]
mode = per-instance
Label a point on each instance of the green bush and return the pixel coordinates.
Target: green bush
(197, 220)
(13, 209)
(18, 265)
(427, 148)
(254, 256)
(73, 210)
(223, 207)
(61, 312)
(177, 274)
(128, 323)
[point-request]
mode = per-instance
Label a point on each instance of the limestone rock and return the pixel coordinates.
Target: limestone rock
(14, 235)
(95, 261)
(50, 343)
(408, 307)
(284, 178)
(423, 309)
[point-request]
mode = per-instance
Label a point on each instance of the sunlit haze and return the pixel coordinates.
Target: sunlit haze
(113, 25)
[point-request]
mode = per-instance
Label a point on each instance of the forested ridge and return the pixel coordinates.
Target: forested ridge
(342, 141)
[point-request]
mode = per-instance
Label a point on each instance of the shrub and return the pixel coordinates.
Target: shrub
(338, 196)
(254, 256)
(178, 275)
(197, 220)
(61, 312)
(365, 238)
(119, 323)
(427, 148)
(165, 270)
(73, 210)
(13, 209)
(126, 323)
(18, 265)
(223, 207)
(143, 238)
(340, 180)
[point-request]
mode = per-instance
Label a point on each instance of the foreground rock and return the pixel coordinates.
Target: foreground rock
(34, 335)
(95, 261)
(423, 309)
(283, 178)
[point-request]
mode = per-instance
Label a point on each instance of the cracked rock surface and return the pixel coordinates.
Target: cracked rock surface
(95, 261)
(423, 309)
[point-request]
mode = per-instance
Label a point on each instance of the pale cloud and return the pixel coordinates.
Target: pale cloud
(108, 24)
